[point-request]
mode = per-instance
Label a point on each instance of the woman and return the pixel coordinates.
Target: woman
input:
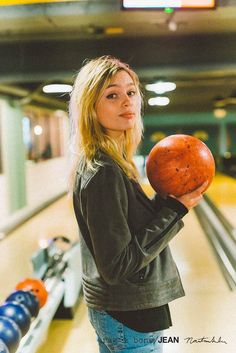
(129, 276)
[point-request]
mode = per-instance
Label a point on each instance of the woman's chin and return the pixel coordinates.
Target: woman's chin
(130, 124)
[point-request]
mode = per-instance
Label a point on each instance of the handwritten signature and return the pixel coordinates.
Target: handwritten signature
(204, 339)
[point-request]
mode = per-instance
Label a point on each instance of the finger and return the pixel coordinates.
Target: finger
(195, 201)
(201, 188)
(174, 197)
(198, 199)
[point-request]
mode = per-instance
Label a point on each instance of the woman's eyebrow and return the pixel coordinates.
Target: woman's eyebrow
(117, 85)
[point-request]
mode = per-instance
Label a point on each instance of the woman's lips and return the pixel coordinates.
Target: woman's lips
(128, 115)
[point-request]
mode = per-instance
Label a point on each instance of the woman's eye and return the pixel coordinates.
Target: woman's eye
(131, 93)
(116, 95)
(112, 95)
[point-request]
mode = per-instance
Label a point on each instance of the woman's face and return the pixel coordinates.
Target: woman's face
(119, 105)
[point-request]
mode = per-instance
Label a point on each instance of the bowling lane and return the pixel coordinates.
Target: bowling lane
(223, 193)
(17, 249)
(206, 310)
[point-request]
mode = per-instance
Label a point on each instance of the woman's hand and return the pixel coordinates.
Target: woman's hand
(191, 199)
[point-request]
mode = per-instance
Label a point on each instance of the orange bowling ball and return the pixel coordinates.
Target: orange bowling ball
(178, 164)
(36, 286)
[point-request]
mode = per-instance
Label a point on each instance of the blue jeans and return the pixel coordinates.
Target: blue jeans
(113, 336)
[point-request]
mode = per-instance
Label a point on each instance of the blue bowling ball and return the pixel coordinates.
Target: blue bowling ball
(3, 347)
(18, 313)
(26, 298)
(9, 333)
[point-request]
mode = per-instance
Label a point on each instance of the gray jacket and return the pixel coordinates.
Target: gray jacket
(126, 260)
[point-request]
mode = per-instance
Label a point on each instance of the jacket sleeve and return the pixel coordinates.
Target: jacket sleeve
(170, 202)
(118, 254)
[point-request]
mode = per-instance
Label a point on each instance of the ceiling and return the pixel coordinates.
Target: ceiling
(45, 43)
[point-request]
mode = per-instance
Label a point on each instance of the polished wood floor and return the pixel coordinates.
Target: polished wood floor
(207, 310)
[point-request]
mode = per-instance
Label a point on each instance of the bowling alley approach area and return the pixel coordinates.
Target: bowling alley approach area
(45, 245)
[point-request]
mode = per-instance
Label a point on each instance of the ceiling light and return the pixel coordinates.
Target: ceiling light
(219, 113)
(172, 26)
(161, 87)
(38, 130)
(161, 101)
(57, 88)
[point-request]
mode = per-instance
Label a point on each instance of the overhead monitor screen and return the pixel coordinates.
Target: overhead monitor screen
(162, 4)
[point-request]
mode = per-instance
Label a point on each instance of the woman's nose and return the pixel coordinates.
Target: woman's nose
(126, 100)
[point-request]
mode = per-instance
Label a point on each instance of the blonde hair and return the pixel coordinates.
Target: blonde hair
(87, 134)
